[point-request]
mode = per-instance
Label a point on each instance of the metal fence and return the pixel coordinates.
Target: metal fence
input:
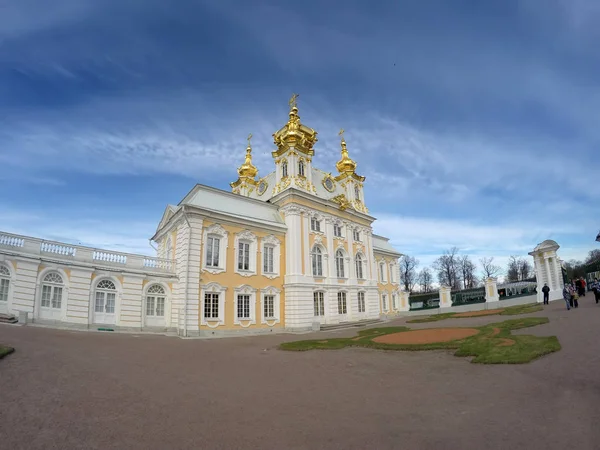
(514, 290)
(468, 296)
(424, 301)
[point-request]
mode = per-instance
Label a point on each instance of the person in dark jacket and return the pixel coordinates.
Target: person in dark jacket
(546, 291)
(567, 296)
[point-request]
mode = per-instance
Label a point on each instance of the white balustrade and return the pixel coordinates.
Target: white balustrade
(104, 256)
(86, 255)
(11, 241)
(59, 249)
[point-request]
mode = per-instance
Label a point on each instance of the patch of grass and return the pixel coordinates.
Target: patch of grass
(5, 351)
(509, 311)
(494, 344)
(433, 318)
(521, 309)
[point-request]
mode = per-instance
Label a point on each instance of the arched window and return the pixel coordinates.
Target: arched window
(4, 283)
(301, 168)
(52, 290)
(317, 261)
(339, 263)
(284, 172)
(106, 293)
(356, 193)
(155, 301)
(359, 267)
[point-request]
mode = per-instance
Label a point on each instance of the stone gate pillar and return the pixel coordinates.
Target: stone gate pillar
(491, 290)
(547, 270)
(445, 297)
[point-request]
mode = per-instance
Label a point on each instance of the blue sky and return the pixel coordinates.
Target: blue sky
(475, 123)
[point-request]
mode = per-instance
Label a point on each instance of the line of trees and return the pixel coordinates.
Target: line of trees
(576, 268)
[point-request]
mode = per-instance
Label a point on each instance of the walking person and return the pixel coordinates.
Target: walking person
(596, 289)
(546, 291)
(574, 296)
(567, 296)
(583, 287)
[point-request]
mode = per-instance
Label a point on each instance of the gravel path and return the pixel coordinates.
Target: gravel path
(83, 390)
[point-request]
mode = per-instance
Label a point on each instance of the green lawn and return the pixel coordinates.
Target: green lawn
(5, 351)
(494, 344)
(509, 311)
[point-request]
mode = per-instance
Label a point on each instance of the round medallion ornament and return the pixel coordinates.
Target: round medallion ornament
(328, 184)
(262, 187)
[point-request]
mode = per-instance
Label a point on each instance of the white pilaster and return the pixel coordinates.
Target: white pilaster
(491, 290)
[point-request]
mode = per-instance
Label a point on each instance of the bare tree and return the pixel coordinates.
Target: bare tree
(525, 269)
(467, 271)
(518, 269)
(425, 279)
(408, 271)
(512, 271)
(489, 268)
(593, 256)
(447, 268)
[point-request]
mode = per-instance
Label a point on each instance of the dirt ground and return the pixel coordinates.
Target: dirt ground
(83, 390)
(427, 336)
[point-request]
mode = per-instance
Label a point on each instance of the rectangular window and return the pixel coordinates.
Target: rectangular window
(46, 296)
(160, 306)
(359, 268)
(212, 251)
(382, 272)
(268, 266)
(110, 303)
(99, 305)
(4, 289)
(319, 303)
(211, 305)
(337, 230)
(269, 307)
(342, 308)
(361, 302)
(392, 277)
(315, 225)
(394, 303)
(384, 301)
(356, 235)
(244, 256)
(57, 297)
(150, 305)
(243, 306)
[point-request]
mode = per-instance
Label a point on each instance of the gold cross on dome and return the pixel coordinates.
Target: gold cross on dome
(341, 133)
(249, 139)
(292, 101)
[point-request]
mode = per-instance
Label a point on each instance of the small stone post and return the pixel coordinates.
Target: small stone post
(404, 301)
(445, 297)
(491, 290)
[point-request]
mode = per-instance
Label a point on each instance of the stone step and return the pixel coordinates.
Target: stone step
(343, 325)
(8, 318)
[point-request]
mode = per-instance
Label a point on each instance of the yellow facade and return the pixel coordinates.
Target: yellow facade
(230, 279)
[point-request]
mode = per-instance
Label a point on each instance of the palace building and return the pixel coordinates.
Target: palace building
(290, 251)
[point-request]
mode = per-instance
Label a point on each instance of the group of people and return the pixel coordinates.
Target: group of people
(575, 289)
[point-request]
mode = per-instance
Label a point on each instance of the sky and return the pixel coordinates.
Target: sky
(475, 123)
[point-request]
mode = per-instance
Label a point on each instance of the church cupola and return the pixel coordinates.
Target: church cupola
(352, 182)
(246, 174)
(293, 157)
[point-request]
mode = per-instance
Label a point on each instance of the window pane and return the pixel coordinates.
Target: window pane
(46, 295)
(4, 283)
(149, 306)
(57, 297)
(209, 251)
(110, 303)
(99, 307)
(160, 306)
(243, 307)
(269, 306)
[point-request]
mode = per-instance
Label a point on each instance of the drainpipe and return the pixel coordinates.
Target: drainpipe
(187, 274)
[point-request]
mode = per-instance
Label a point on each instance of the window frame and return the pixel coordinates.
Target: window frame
(301, 168)
(215, 231)
(318, 303)
(356, 235)
(243, 239)
(342, 299)
(340, 257)
(271, 241)
(359, 263)
(315, 224)
(284, 169)
(317, 260)
(244, 290)
(213, 288)
(361, 301)
(337, 230)
(270, 291)
(384, 305)
(6, 285)
(53, 288)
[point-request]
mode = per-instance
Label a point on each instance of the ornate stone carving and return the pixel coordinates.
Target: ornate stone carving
(246, 235)
(216, 229)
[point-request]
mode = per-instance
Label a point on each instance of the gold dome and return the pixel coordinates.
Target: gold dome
(346, 166)
(294, 134)
(248, 170)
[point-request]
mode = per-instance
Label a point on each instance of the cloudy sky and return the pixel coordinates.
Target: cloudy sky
(475, 123)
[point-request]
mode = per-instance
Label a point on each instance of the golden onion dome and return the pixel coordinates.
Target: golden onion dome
(294, 133)
(346, 164)
(248, 170)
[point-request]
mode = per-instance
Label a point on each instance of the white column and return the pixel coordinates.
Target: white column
(491, 290)
(548, 273)
(352, 263)
(331, 275)
(445, 297)
(306, 256)
(293, 252)
(373, 263)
